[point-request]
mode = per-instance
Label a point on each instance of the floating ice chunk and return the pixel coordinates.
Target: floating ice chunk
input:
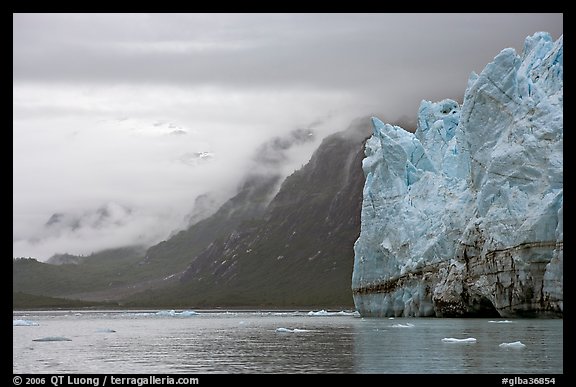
(187, 313)
(341, 313)
(24, 323)
(453, 340)
(407, 325)
(105, 330)
(288, 330)
(500, 321)
(515, 344)
(286, 313)
(173, 313)
(168, 313)
(319, 313)
(53, 338)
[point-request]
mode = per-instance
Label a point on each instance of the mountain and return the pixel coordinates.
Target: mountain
(75, 277)
(254, 194)
(65, 259)
(276, 242)
(465, 216)
(295, 250)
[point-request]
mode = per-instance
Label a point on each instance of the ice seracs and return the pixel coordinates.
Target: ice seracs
(464, 217)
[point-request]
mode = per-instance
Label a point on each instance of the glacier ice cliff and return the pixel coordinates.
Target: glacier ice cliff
(464, 217)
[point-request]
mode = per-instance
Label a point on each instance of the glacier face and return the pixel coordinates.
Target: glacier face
(464, 217)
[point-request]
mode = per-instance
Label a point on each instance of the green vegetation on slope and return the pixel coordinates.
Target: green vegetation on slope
(23, 301)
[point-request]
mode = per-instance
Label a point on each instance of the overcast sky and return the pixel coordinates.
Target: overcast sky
(111, 111)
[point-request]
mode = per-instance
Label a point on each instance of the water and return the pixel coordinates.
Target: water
(247, 342)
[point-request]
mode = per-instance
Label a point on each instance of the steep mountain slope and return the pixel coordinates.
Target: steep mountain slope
(299, 251)
(274, 242)
(106, 270)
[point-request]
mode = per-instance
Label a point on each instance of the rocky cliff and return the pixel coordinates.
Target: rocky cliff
(299, 251)
(464, 217)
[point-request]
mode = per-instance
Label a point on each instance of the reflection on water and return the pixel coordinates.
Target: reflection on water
(114, 342)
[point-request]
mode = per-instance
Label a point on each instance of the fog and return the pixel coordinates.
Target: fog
(121, 120)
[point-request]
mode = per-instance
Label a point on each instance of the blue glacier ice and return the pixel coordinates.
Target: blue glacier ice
(464, 216)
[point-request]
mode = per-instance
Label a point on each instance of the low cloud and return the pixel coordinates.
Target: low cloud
(138, 115)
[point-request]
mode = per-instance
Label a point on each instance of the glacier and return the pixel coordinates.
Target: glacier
(464, 217)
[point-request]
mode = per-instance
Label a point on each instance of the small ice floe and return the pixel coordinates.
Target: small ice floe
(341, 313)
(173, 313)
(24, 323)
(407, 325)
(453, 340)
(285, 313)
(138, 314)
(321, 313)
(515, 344)
(500, 321)
(105, 330)
(53, 338)
(187, 313)
(288, 330)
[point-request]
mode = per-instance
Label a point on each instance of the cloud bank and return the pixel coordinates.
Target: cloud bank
(122, 120)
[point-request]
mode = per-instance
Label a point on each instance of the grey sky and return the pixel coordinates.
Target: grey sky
(97, 98)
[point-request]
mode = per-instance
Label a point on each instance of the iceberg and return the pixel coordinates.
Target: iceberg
(464, 217)
(288, 330)
(501, 321)
(24, 323)
(453, 340)
(515, 344)
(341, 313)
(138, 314)
(408, 325)
(173, 313)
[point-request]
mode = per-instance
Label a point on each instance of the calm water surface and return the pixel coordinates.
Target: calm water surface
(248, 342)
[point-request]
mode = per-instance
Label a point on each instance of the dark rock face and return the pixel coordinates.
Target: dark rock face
(299, 250)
